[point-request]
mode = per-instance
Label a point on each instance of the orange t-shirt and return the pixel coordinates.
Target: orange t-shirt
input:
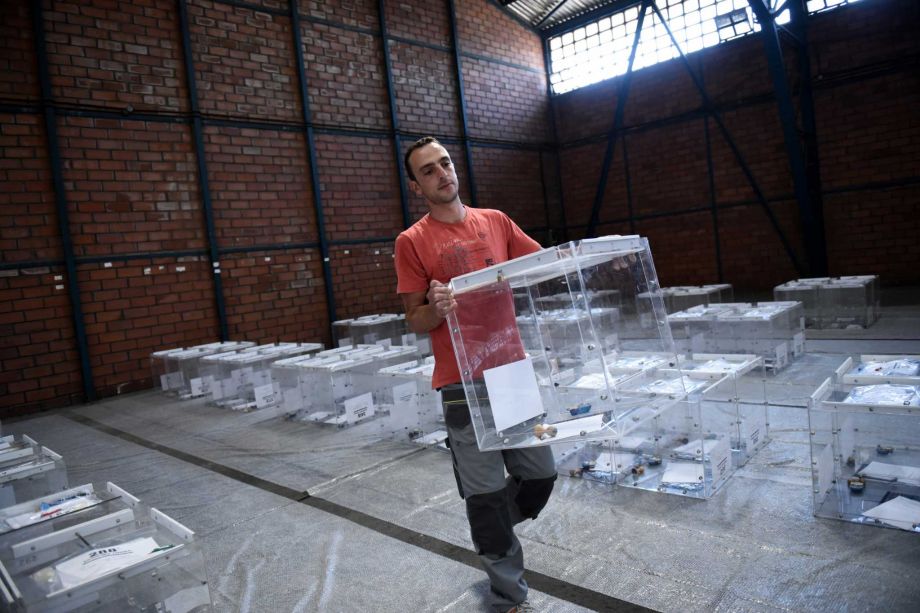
(432, 249)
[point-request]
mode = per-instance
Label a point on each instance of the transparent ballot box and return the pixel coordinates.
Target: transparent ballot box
(549, 382)
(682, 297)
(835, 302)
(30, 518)
(341, 332)
(739, 390)
(112, 555)
(337, 391)
(28, 470)
(244, 380)
(386, 328)
(772, 330)
(865, 452)
(177, 369)
(882, 369)
(412, 407)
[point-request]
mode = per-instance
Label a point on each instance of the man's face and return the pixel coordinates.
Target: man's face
(435, 177)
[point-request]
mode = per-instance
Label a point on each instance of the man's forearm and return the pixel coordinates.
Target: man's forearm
(423, 319)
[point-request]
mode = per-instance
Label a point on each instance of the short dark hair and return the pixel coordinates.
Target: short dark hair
(427, 140)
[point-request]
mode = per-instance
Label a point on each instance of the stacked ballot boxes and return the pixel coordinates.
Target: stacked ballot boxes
(412, 407)
(772, 330)
(835, 302)
(243, 381)
(98, 549)
(177, 372)
(865, 447)
(28, 470)
(539, 386)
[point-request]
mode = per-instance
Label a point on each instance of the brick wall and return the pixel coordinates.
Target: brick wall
(866, 95)
(134, 188)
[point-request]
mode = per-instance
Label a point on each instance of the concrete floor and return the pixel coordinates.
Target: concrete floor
(383, 529)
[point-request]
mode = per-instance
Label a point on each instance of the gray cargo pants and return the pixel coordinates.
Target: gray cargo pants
(495, 503)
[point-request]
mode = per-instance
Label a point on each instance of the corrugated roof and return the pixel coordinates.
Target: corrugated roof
(544, 14)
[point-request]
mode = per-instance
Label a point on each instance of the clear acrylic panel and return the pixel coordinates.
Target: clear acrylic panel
(535, 372)
(28, 470)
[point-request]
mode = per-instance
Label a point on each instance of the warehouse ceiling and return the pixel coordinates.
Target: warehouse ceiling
(546, 14)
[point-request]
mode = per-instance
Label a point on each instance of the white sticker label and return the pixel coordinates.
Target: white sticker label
(404, 395)
(265, 395)
(359, 407)
(720, 458)
(171, 381)
(196, 386)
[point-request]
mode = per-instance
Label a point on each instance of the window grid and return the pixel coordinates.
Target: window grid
(600, 50)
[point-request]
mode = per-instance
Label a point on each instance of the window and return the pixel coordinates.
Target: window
(600, 50)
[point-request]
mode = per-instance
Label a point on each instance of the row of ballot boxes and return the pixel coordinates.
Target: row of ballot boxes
(864, 426)
(835, 302)
(87, 548)
(773, 330)
(341, 387)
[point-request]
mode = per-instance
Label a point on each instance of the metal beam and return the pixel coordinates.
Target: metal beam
(314, 170)
(622, 95)
(810, 214)
(739, 157)
(198, 132)
(551, 112)
(455, 42)
(394, 115)
(551, 12)
(60, 201)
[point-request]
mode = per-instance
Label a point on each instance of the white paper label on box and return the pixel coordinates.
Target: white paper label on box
(404, 398)
(197, 386)
(265, 395)
(513, 393)
(359, 407)
(171, 381)
(720, 458)
(293, 400)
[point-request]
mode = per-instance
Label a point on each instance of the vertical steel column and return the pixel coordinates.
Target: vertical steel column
(714, 207)
(60, 201)
(712, 199)
(394, 116)
(810, 215)
(799, 26)
(551, 111)
(749, 175)
(628, 179)
(622, 94)
(455, 39)
(198, 131)
(314, 170)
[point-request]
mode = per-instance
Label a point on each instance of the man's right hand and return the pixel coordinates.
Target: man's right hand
(441, 298)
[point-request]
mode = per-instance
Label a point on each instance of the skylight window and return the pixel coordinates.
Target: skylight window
(600, 50)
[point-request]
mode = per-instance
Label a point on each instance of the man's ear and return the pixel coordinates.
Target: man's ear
(415, 187)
